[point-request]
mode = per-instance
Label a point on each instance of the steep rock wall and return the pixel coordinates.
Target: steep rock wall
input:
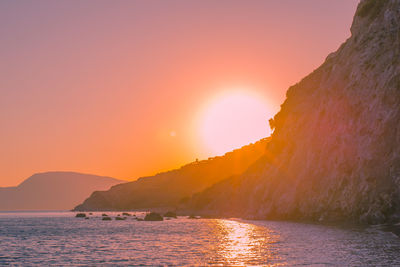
(335, 149)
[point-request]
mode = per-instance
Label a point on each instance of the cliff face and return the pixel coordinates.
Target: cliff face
(170, 189)
(335, 150)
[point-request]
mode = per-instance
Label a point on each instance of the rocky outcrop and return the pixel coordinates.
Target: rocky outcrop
(335, 150)
(152, 216)
(169, 189)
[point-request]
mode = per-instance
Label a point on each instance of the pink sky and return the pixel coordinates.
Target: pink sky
(99, 86)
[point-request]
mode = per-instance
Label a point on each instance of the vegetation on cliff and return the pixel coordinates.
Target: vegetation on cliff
(334, 153)
(172, 188)
(335, 150)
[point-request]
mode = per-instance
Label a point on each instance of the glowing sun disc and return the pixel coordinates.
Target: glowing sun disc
(234, 119)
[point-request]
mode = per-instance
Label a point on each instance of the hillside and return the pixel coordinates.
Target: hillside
(169, 189)
(52, 191)
(335, 151)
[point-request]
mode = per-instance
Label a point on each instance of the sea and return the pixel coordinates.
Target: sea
(60, 239)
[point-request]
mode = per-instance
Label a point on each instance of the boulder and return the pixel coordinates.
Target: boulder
(153, 216)
(80, 215)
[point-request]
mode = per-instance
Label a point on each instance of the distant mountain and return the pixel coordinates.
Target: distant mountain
(169, 189)
(53, 191)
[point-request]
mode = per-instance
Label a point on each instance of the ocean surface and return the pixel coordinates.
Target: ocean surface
(58, 238)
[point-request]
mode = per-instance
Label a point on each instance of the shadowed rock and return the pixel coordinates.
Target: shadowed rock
(153, 216)
(334, 154)
(172, 188)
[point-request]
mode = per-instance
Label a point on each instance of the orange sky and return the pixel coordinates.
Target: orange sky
(99, 86)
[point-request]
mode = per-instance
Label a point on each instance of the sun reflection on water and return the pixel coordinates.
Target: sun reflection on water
(246, 244)
(63, 240)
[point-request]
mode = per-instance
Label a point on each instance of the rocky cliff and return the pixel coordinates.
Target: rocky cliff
(335, 150)
(169, 189)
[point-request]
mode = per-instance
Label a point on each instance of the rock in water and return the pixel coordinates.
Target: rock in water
(106, 219)
(335, 150)
(170, 214)
(152, 216)
(80, 215)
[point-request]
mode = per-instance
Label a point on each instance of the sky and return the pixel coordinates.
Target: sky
(131, 88)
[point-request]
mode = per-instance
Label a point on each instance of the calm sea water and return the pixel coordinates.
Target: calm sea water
(44, 239)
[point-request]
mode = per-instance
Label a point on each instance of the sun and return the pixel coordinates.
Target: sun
(232, 119)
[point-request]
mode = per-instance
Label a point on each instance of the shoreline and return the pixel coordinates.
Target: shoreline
(387, 227)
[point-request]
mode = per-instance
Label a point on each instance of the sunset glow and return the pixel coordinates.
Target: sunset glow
(200, 133)
(233, 119)
(131, 88)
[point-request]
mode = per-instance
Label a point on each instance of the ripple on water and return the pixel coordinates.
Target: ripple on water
(59, 238)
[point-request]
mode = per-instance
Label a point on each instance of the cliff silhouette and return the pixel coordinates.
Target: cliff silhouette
(168, 190)
(334, 154)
